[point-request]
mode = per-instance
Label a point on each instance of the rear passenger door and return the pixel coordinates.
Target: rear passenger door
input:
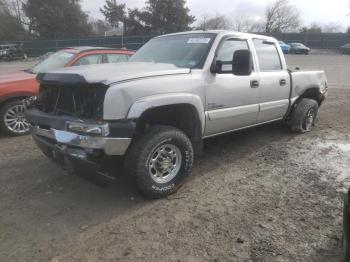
(274, 81)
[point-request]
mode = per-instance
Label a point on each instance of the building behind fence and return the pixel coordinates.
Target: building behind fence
(39, 47)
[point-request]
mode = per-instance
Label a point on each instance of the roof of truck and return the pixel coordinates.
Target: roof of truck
(225, 32)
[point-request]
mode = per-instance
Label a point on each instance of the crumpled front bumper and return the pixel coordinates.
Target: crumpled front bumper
(70, 151)
(110, 146)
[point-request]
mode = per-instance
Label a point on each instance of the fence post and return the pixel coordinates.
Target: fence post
(323, 40)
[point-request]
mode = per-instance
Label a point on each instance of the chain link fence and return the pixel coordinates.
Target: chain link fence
(316, 41)
(39, 47)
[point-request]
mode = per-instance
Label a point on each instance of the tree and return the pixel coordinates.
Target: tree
(114, 13)
(135, 22)
(99, 27)
(242, 23)
(14, 8)
(167, 16)
(281, 16)
(216, 22)
(314, 29)
(56, 18)
(11, 27)
(333, 28)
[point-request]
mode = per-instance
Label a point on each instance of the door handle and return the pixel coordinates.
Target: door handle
(283, 82)
(254, 84)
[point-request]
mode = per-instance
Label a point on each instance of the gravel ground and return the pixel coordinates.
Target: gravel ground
(262, 194)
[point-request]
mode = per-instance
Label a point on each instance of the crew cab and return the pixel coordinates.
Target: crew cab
(16, 86)
(177, 90)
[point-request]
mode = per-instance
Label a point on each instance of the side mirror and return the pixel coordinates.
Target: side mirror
(221, 67)
(242, 64)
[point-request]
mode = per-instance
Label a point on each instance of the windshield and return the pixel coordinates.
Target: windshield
(54, 61)
(187, 51)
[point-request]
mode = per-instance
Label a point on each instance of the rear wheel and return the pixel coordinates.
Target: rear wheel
(12, 119)
(160, 160)
(304, 116)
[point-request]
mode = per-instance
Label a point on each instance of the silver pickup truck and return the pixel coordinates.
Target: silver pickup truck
(177, 90)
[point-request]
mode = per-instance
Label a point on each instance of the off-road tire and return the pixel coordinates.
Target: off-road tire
(3, 128)
(300, 113)
(142, 149)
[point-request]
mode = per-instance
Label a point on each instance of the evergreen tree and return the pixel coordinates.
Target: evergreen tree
(57, 18)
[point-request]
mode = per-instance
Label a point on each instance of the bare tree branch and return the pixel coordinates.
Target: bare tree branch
(214, 22)
(242, 23)
(281, 16)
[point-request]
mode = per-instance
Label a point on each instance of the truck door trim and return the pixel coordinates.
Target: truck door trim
(232, 112)
(273, 105)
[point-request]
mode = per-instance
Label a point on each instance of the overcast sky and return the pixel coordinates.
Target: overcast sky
(319, 11)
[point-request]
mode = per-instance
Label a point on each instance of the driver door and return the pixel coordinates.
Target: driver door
(232, 101)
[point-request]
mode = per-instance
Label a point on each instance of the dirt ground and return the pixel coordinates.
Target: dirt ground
(262, 194)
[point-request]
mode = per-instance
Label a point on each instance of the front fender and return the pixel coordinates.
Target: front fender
(146, 103)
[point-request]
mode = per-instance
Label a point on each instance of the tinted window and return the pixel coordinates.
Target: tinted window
(117, 58)
(269, 59)
(89, 60)
(229, 47)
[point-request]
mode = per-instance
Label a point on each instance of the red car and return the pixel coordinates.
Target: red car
(15, 87)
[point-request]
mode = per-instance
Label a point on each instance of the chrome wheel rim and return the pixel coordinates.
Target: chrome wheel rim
(15, 120)
(309, 120)
(164, 163)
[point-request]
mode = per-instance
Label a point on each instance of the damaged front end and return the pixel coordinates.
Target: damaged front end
(68, 125)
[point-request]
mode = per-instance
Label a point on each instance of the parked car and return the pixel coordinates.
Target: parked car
(12, 51)
(345, 49)
(176, 91)
(346, 224)
(22, 84)
(45, 56)
(299, 48)
(285, 48)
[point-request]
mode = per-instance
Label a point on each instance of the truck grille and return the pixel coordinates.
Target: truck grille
(83, 101)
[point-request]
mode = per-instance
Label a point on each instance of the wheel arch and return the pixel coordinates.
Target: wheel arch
(312, 93)
(183, 112)
(9, 99)
(148, 103)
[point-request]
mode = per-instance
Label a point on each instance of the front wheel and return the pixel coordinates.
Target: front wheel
(304, 116)
(160, 160)
(12, 119)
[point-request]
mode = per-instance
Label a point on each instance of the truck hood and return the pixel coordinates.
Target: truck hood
(111, 73)
(15, 77)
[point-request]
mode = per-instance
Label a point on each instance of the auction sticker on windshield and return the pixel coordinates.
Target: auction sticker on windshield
(198, 41)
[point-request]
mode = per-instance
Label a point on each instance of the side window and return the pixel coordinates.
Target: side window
(269, 59)
(89, 60)
(229, 47)
(117, 58)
